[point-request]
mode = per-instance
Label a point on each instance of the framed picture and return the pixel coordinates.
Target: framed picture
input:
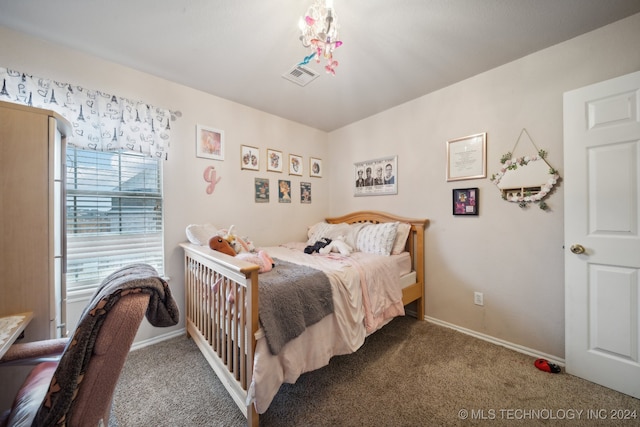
(249, 158)
(376, 177)
(284, 191)
(315, 167)
(295, 165)
(274, 160)
(262, 190)
(465, 201)
(467, 157)
(209, 143)
(305, 192)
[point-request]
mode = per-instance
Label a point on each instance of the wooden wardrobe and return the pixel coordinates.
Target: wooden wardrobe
(32, 209)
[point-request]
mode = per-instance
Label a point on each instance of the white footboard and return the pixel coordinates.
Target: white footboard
(221, 305)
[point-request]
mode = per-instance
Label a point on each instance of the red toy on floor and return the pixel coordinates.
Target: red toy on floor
(545, 365)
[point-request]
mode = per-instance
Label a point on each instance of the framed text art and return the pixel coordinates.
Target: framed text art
(465, 201)
(274, 160)
(315, 167)
(376, 177)
(209, 143)
(249, 158)
(467, 157)
(262, 190)
(295, 165)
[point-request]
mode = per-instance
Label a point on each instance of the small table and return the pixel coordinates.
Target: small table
(10, 329)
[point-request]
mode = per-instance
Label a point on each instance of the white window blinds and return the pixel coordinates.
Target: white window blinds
(114, 214)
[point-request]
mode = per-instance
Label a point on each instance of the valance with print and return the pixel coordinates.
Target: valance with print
(100, 121)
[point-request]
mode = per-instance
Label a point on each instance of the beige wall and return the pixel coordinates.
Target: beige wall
(186, 200)
(513, 256)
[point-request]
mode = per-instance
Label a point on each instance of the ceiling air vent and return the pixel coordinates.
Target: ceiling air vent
(300, 75)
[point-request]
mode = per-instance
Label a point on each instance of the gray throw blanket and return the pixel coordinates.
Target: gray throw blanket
(162, 311)
(292, 297)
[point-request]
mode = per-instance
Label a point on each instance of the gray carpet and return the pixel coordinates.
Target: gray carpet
(409, 373)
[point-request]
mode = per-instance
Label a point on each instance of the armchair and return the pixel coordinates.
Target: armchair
(78, 389)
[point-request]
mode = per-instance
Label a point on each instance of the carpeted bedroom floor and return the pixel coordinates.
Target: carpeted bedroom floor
(409, 373)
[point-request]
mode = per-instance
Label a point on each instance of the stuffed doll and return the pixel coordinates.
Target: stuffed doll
(317, 245)
(337, 245)
(220, 244)
(238, 243)
(261, 258)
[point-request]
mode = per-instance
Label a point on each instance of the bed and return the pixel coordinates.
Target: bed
(222, 311)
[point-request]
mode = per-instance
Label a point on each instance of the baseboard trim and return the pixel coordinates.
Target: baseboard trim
(497, 341)
(515, 347)
(157, 339)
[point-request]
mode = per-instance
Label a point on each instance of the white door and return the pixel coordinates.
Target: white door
(602, 242)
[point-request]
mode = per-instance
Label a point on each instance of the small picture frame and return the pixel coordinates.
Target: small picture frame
(295, 165)
(467, 157)
(315, 167)
(284, 191)
(249, 158)
(274, 160)
(262, 190)
(305, 192)
(209, 143)
(466, 201)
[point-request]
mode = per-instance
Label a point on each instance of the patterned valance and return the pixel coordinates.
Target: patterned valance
(100, 121)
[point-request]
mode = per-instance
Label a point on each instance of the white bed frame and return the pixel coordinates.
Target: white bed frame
(226, 337)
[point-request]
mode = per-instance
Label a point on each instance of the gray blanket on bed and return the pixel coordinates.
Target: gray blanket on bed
(292, 297)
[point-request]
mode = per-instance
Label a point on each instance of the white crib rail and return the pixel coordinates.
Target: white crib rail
(221, 305)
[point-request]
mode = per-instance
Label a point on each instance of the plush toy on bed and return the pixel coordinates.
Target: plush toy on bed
(337, 245)
(220, 244)
(238, 243)
(261, 258)
(317, 245)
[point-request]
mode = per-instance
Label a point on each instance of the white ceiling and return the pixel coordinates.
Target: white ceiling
(393, 51)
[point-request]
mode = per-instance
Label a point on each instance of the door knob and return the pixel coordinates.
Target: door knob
(577, 249)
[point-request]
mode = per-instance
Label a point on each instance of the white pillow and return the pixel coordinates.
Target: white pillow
(377, 238)
(316, 230)
(401, 238)
(354, 229)
(332, 231)
(199, 234)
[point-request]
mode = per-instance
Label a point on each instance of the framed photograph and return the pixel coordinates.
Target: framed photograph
(376, 177)
(274, 160)
(209, 143)
(305, 192)
(262, 190)
(467, 157)
(249, 158)
(465, 201)
(315, 167)
(295, 165)
(284, 191)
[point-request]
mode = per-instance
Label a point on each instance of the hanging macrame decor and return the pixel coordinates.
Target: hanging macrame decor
(527, 179)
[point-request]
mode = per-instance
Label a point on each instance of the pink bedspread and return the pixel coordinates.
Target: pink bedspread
(366, 294)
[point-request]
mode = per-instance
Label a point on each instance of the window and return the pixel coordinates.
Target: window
(114, 214)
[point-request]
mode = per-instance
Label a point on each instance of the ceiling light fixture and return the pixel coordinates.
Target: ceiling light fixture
(319, 32)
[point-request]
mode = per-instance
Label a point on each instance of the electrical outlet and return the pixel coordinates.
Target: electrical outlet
(478, 298)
